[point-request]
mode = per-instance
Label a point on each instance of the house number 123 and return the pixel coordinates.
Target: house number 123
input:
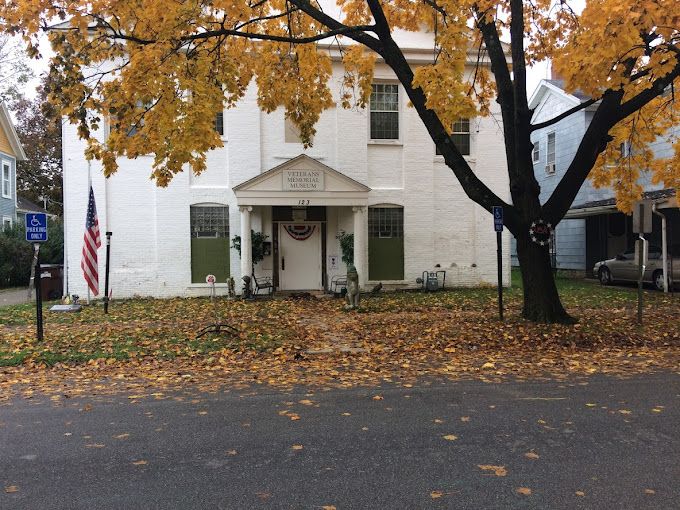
(303, 202)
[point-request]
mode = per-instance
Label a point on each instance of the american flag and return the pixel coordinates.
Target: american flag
(91, 242)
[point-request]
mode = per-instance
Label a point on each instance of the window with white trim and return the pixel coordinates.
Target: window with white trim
(219, 123)
(460, 134)
(6, 222)
(384, 111)
(536, 152)
(550, 154)
(6, 179)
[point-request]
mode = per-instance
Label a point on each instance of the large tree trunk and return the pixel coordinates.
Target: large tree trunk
(541, 300)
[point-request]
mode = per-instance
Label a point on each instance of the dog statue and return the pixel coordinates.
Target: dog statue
(352, 288)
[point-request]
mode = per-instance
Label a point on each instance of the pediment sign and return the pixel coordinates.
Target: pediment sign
(302, 175)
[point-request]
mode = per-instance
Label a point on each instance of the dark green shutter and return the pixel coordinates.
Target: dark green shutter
(385, 258)
(209, 255)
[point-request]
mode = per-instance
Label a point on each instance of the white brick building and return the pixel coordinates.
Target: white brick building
(381, 180)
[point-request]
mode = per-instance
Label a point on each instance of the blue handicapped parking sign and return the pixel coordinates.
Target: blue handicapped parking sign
(36, 227)
(498, 218)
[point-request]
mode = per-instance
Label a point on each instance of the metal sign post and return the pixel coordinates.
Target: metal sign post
(642, 224)
(498, 227)
(36, 233)
(106, 278)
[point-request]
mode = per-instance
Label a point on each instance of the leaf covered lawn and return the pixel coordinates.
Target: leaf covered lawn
(396, 336)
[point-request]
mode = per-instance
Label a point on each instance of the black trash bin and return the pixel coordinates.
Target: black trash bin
(51, 280)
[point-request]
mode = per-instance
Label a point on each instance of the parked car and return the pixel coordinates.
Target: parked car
(623, 268)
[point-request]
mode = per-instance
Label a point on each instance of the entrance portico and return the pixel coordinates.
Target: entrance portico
(300, 192)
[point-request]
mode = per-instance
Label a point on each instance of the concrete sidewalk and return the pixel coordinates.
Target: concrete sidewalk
(15, 296)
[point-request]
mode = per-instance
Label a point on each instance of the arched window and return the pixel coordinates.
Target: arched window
(209, 242)
(385, 242)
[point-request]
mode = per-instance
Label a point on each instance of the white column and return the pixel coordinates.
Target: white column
(360, 247)
(246, 242)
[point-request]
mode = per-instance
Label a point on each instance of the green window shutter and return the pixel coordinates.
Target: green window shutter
(209, 255)
(385, 258)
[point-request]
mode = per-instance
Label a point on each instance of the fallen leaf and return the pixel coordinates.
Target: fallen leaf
(580, 493)
(650, 491)
(591, 405)
(437, 420)
(436, 494)
(489, 364)
(11, 488)
(87, 407)
(498, 470)
(140, 463)
(450, 437)
(202, 413)
(377, 397)
(465, 418)
(297, 447)
(531, 455)
(625, 411)
(121, 436)
(346, 414)
(526, 491)
(232, 452)
(328, 507)
(95, 445)
(294, 416)
(306, 402)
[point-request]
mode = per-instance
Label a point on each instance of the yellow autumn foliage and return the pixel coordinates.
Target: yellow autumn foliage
(156, 71)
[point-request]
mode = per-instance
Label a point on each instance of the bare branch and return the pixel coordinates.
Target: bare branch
(563, 115)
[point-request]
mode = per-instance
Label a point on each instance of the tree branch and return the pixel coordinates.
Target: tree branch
(656, 89)
(564, 115)
(332, 23)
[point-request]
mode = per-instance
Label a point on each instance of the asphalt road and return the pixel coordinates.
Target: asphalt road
(596, 443)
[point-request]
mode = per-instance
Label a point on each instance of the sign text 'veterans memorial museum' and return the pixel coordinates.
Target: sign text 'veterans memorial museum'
(303, 180)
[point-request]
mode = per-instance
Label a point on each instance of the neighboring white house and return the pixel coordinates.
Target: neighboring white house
(370, 172)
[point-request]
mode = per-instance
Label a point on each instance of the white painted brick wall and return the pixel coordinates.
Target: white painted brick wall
(151, 239)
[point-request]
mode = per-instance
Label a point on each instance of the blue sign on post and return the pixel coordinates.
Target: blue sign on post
(36, 227)
(498, 218)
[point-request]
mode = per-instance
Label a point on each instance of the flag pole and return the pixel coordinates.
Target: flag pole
(89, 186)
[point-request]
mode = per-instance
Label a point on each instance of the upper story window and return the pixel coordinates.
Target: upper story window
(461, 136)
(6, 179)
(219, 123)
(550, 155)
(209, 221)
(536, 152)
(385, 111)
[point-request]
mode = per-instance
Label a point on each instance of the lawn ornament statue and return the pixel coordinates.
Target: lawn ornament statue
(352, 288)
(231, 291)
(247, 292)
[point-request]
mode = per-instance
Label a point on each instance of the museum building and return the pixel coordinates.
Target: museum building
(370, 172)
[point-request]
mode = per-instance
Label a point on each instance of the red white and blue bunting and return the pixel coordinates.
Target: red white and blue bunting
(300, 232)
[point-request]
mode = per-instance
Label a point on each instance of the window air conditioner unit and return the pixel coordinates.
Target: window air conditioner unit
(550, 168)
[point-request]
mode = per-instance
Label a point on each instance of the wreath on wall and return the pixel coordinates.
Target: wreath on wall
(540, 232)
(300, 232)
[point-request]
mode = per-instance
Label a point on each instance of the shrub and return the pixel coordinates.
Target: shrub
(16, 255)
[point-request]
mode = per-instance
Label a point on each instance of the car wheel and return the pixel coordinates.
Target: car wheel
(657, 278)
(605, 276)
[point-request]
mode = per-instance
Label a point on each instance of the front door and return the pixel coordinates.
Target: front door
(300, 256)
